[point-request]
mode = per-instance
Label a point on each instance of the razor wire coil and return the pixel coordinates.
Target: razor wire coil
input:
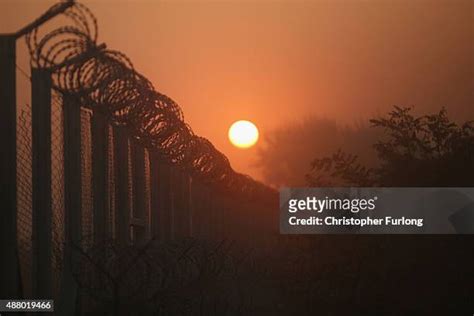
(105, 80)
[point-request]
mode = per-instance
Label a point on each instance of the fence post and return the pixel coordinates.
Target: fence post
(199, 208)
(161, 197)
(100, 142)
(72, 200)
(155, 199)
(213, 206)
(218, 214)
(195, 202)
(138, 178)
(191, 204)
(122, 199)
(10, 285)
(188, 215)
(166, 202)
(41, 179)
(211, 211)
(180, 187)
(203, 216)
(225, 217)
(72, 168)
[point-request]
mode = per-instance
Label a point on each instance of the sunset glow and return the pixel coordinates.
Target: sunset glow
(243, 134)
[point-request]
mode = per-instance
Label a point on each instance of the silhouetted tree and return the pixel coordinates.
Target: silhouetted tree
(428, 150)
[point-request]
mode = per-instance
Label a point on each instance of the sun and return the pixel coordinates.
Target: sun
(243, 134)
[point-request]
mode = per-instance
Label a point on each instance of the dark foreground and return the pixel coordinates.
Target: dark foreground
(305, 275)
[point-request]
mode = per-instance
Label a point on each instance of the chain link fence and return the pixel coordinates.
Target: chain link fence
(153, 145)
(24, 197)
(57, 190)
(25, 191)
(86, 179)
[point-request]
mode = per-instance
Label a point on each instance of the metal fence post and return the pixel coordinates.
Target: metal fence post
(166, 202)
(72, 200)
(41, 175)
(195, 202)
(10, 285)
(186, 220)
(122, 198)
(191, 205)
(100, 142)
(199, 209)
(204, 211)
(138, 179)
(179, 202)
(72, 168)
(155, 195)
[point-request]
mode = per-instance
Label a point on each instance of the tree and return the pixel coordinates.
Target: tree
(428, 150)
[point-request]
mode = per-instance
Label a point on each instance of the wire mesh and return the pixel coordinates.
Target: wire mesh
(147, 193)
(111, 183)
(24, 197)
(106, 80)
(57, 190)
(86, 179)
(24, 193)
(131, 189)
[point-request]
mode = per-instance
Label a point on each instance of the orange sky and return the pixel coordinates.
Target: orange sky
(273, 62)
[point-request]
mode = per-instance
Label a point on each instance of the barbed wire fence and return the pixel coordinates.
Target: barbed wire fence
(24, 200)
(57, 191)
(104, 163)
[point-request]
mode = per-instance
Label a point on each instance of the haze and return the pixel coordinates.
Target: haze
(276, 62)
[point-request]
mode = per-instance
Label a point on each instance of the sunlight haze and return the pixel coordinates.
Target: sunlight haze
(275, 62)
